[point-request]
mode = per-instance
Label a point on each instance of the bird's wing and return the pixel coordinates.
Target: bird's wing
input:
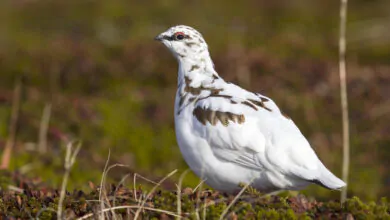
(249, 129)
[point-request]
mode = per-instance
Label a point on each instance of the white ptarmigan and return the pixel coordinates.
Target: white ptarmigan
(228, 135)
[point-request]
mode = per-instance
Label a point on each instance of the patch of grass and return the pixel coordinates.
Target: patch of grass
(33, 202)
(110, 84)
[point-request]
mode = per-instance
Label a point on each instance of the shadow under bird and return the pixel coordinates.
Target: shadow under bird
(228, 135)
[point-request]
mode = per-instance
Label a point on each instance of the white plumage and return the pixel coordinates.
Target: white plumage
(228, 135)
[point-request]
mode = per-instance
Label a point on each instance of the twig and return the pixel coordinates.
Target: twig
(103, 189)
(102, 184)
(343, 94)
(198, 193)
(235, 199)
(117, 187)
(103, 175)
(178, 196)
(199, 185)
(102, 192)
(141, 206)
(135, 183)
(130, 207)
(70, 159)
(43, 128)
(12, 127)
(15, 189)
(198, 190)
(204, 208)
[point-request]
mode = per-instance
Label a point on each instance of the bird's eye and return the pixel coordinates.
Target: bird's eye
(179, 35)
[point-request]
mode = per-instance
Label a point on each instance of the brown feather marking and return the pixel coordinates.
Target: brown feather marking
(192, 90)
(232, 117)
(198, 90)
(190, 44)
(268, 109)
(221, 96)
(198, 113)
(182, 98)
(264, 99)
(241, 119)
(260, 104)
(222, 118)
(194, 67)
(249, 104)
(285, 115)
(215, 92)
(213, 117)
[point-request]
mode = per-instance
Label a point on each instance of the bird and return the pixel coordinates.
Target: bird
(230, 136)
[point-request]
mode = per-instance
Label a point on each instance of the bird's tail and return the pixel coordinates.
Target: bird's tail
(328, 179)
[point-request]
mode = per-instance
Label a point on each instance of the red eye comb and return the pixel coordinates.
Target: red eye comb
(179, 33)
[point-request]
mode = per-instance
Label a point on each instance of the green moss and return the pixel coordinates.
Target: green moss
(43, 204)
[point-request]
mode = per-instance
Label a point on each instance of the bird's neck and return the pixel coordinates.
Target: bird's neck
(198, 69)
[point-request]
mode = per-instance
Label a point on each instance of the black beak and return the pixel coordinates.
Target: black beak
(162, 37)
(159, 37)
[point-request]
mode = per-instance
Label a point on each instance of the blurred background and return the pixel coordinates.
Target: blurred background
(90, 70)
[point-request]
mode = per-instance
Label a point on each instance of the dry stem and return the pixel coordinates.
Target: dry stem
(117, 187)
(178, 196)
(141, 206)
(343, 94)
(135, 183)
(12, 127)
(131, 207)
(43, 128)
(102, 192)
(70, 159)
(235, 199)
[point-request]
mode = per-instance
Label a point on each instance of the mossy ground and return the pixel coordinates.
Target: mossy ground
(40, 202)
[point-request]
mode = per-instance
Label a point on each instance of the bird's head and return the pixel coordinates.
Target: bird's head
(183, 41)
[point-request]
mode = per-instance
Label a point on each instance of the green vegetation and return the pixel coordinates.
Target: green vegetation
(113, 87)
(124, 203)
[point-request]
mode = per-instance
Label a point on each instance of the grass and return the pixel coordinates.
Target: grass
(120, 202)
(70, 159)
